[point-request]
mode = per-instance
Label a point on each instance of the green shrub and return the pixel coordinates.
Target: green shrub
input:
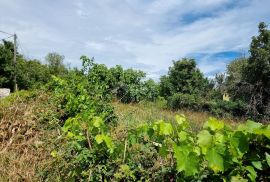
(183, 101)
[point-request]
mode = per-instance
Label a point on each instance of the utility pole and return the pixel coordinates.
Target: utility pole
(14, 63)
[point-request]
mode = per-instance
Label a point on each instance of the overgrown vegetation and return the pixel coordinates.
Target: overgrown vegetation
(112, 124)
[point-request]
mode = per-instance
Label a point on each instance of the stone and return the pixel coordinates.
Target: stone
(4, 92)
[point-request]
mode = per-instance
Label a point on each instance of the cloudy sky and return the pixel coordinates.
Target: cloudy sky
(142, 34)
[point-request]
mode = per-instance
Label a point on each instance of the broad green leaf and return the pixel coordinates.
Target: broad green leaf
(251, 125)
(109, 143)
(257, 164)
(180, 119)
(182, 136)
(204, 140)
(219, 138)
(215, 160)
(238, 179)
(214, 124)
(97, 122)
(186, 160)
(166, 128)
(252, 173)
(267, 158)
(264, 131)
(107, 139)
(99, 139)
(240, 143)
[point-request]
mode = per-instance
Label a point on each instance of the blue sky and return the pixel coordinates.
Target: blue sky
(142, 34)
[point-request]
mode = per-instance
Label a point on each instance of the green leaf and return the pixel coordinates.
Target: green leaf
(180, 119)
(182, 136)
(264, 131)
(240, 143)
(251, 125)
(215, 160)
(97, 122)
(54, 153)
(204, 140)
(99, 139)
(252, 173)
(257, 164)
(214, 124)
(163, 151)
(238, 179)
(109, 143)
(267, 158)
(165, 128)
(186, 160)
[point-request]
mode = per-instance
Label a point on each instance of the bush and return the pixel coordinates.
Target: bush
(232, 108)
(182, 101)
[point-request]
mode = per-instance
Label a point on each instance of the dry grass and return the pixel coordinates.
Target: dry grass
(133, 114)
(22, 149)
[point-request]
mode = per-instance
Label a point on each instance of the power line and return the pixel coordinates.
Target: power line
(7, 37)
(6, 33)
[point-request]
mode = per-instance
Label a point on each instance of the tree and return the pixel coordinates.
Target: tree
(183, 77)
(257, 73)
(31, 73)
(234, 78)
(6, 64)
(56, 64)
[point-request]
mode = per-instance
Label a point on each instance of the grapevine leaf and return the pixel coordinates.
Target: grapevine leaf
(97, 122)
(99, 139)
(252, 173)
(109, 143)
(204, 140)
(251, 125)
(239, 142)
(214, 124)
(267, 158)
(186, 160)
(180, 119)
(257, 164)
(166, 128)
(215, 160)
(182, 136)
(238, 179)
(265, 132)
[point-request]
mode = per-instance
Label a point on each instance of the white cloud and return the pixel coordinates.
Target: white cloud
(135, 33)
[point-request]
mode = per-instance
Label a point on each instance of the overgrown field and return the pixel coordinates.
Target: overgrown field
(64, 134)
(113, 124)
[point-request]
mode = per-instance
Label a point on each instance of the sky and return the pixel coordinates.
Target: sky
(141, 34)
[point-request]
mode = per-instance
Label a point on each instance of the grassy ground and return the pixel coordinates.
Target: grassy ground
(29, 130)
(133, 114)
(24, 137)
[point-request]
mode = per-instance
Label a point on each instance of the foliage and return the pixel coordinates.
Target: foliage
(31, 73)
(257, 72)
(6, 64)
(183, 77)
(55, 64)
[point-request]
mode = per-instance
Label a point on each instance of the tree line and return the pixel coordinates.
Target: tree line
(246, 80)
